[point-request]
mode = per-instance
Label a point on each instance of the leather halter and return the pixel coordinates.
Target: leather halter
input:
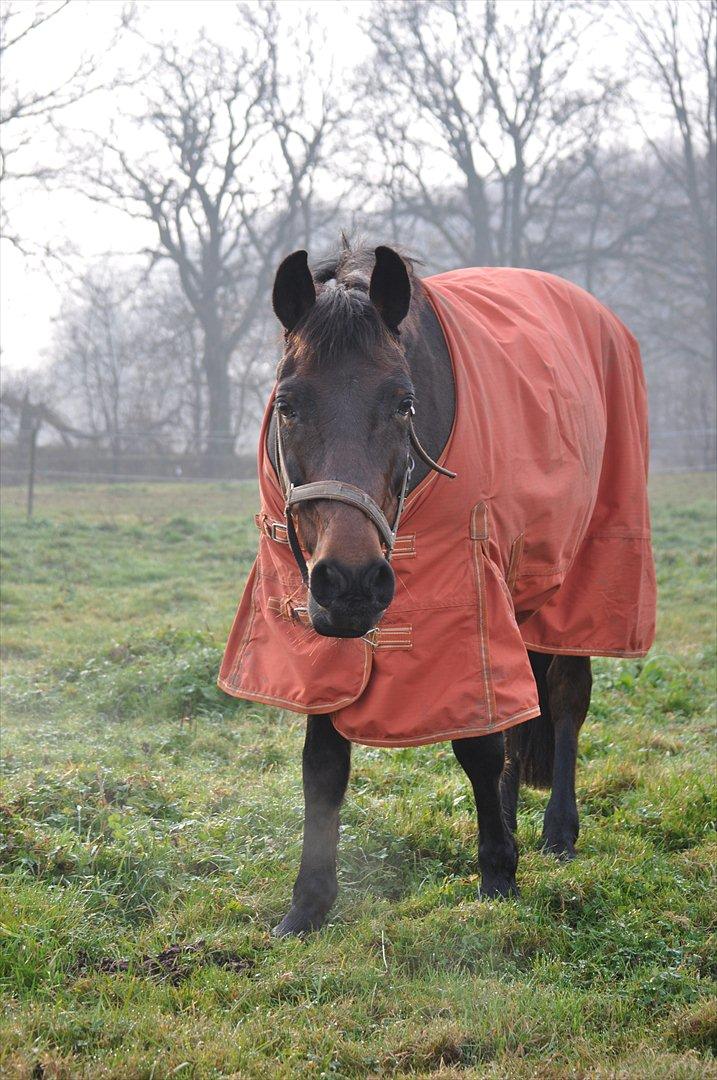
(340, 491)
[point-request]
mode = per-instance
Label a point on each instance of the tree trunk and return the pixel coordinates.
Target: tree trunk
(220, 440)
(482, 254)
(516, 209)
(26, 423)
(196, 383)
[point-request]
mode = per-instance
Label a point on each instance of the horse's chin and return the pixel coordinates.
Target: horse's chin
(327, 630)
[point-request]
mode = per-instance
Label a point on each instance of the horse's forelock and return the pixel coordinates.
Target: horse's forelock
(342, 323)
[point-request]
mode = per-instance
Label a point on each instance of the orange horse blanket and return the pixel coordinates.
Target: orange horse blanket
(542, 542)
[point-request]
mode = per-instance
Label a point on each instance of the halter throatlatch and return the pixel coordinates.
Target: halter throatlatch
(340, 491)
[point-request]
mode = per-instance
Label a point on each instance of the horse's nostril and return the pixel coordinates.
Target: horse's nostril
(328, 582)
(378, 583)
(332, 582)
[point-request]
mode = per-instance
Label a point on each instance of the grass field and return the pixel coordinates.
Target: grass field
(151, 834)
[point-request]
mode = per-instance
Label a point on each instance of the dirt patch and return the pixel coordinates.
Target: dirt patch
(173, 964)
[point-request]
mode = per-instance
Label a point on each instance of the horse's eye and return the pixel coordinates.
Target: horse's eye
(405, 408)
(284, 409)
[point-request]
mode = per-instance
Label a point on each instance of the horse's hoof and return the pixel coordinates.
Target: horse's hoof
(297, 922)
(562, 847)
(498, 889)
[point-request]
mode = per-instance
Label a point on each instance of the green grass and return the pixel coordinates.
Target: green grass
(152, 827)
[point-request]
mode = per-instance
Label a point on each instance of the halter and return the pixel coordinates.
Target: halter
(340, 491)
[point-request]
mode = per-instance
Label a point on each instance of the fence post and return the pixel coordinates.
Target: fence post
(31, 473)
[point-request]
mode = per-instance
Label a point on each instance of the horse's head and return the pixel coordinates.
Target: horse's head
(343, 404)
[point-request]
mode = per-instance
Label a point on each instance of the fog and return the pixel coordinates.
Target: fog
(159, 160)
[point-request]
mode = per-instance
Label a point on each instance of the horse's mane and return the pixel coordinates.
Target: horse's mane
(352, 263)
(343, 319)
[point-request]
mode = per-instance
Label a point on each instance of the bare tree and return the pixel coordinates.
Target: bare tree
(118, 368)
(676, 53)
(30, 110)
(24, 405)
(487, 91)
(170, 351)
(230, 154)
(615, 204)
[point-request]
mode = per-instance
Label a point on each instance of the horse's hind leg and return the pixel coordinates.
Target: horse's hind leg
(482, 759)
(326, 764)
(569, 682)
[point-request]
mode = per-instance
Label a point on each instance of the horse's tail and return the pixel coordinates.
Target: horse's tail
(533, 743)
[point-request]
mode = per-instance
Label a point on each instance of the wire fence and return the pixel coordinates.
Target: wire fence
(678, 451)
(57, 463)
(11, 477)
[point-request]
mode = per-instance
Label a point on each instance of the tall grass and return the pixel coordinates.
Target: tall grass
(151, 831)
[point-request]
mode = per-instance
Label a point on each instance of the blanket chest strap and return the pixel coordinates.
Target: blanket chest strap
(381, 637)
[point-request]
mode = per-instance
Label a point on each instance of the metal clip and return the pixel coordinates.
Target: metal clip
(274, 526)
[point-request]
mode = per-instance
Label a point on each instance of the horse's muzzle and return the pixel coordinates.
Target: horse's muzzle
(348, 601)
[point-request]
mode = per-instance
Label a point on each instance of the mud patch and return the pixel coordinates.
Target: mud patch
(173, 965)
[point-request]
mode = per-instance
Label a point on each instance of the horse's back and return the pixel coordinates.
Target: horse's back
(554, 382)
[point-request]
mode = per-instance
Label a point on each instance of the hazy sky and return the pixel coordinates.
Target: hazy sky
(30, 293)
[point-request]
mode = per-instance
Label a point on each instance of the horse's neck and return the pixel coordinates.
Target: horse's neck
(432, 374)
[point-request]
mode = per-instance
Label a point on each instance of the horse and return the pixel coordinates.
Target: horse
(363, 409)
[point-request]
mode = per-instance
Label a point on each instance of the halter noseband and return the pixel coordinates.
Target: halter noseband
(340, 491)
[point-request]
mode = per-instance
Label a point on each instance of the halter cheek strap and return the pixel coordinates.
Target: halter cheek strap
(421, 453)
(340, 491)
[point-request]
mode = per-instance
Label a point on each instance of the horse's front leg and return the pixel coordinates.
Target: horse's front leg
(482, 759)
(326, 764)
(510, 788)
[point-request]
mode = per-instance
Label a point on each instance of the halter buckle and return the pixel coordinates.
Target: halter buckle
(273, 531)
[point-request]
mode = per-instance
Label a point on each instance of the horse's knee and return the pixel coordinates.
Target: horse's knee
(326, 762)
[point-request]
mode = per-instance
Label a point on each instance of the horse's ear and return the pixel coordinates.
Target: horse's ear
(390, 288)
(294, 293)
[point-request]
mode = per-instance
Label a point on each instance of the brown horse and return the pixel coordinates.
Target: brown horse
(354, 364)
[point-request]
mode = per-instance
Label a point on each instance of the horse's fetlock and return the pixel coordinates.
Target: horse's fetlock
(497, 888)
(561, 821)
(300, 920)
(316, 890)
(499, 860)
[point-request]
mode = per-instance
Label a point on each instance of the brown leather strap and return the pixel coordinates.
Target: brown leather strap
(275, 530)
(390, 637)
(286, 608)
(339, 491)
(424, 456)
(404, 545)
